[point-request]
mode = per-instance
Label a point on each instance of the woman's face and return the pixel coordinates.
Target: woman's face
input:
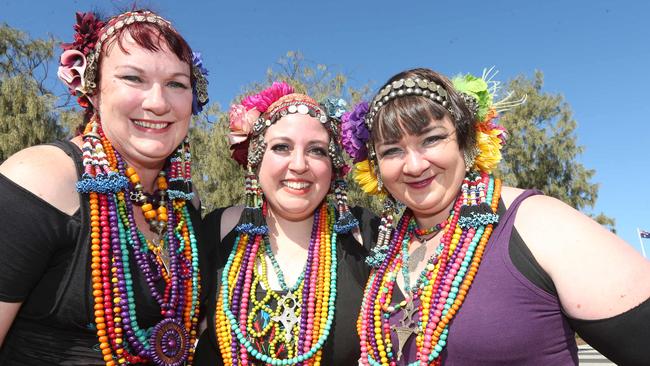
(424, 171)
(296, 171)
(144, 101)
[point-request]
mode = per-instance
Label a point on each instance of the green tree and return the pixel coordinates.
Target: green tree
(542, 148)
(25, 116)
(20, 55)
(217, 177)
(26, 106)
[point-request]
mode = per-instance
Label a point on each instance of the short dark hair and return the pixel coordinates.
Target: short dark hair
(410, 114)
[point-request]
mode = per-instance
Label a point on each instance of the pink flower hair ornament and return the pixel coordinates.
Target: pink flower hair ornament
(243, 116)
(71, 71)
(73, 62)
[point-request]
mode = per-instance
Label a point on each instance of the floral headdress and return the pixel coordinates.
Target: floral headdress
(80, 59)
(478, 94)
(248, 122)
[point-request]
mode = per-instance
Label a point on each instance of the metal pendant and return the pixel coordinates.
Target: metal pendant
(288, 318)
(406, 327)
(162, 253)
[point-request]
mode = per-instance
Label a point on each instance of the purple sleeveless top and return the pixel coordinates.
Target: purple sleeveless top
(505, 319)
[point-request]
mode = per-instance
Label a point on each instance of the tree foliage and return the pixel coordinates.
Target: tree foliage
(218, 178)
(26, 106)
(20, 55)
(542, 149)
(25, 116)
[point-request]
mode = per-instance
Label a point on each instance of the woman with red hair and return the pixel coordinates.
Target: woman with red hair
(99, 251)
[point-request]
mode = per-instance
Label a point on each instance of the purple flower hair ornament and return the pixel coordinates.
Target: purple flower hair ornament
(354, 132)
(200, 87)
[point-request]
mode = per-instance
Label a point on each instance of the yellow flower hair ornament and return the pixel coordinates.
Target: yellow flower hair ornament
(490, 138)
(366, 178)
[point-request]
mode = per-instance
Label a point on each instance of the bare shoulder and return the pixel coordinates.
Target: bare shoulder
(229, 219)
(550, 227)
(509, 194)
(572, 248)
(547, 220)
(47, 172)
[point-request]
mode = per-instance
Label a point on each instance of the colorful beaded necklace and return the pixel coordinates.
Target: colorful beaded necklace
(116, 241)
(303, 317)
(441, 288)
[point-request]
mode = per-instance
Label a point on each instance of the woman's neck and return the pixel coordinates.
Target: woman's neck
(284, 232)
(426, 221)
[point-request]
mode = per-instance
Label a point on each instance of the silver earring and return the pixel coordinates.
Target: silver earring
(469, 156)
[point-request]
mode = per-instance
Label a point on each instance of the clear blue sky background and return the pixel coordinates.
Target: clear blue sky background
(595, 53)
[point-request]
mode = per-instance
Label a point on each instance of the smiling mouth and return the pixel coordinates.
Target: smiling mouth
(151, 125)
(421, 183)
(296, 185)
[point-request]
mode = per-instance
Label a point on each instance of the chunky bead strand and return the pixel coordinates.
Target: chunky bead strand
(316, 295)
(442, 289)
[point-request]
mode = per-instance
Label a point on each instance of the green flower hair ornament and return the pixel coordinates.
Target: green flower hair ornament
(478, 89)
(483, 90)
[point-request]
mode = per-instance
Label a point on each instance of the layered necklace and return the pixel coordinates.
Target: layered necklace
(119, 250)
(297, 327)
(442, 286)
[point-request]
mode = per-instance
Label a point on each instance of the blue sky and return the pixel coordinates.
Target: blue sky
(595, 53)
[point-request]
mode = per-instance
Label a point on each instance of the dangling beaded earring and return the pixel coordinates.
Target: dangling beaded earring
(98, 175)
(469, 156)
(380, 183)
(252, 219)
(374, 167)
(380, 250)
(180, 175)
(346, 221)
(476, 211)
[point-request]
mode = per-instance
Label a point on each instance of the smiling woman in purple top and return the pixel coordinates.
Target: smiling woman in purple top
(472, 272)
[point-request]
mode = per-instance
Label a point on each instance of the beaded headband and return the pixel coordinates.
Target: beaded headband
(408, 86)
(80, 59)
(289, 104)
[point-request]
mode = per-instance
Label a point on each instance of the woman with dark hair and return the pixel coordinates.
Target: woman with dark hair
(472, 272)
(99, 253)
(290, 264)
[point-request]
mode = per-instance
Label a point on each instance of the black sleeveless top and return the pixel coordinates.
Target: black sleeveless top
(342, 345)
(45, 264)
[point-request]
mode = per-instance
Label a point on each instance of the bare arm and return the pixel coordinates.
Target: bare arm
(597, 274)
(8, 311)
